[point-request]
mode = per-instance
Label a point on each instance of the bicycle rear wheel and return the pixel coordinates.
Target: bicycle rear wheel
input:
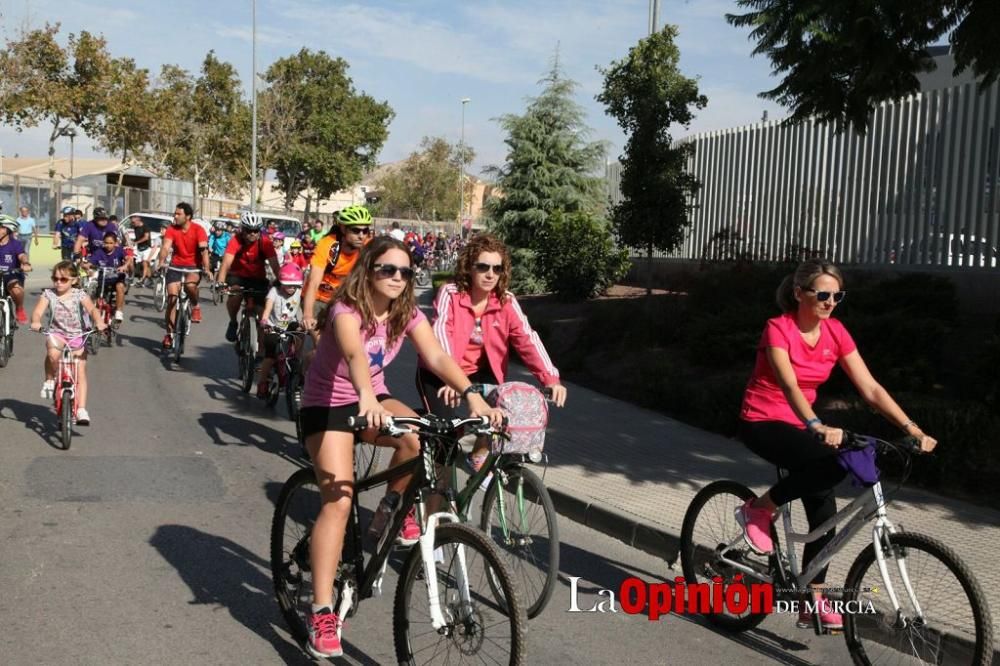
(709, 526)
(477, 627)
(519, 517)
(294, 515)
(66, 418)
(953, 624)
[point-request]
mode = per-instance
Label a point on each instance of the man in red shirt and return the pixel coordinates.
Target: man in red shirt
(189, 244)
(244, 264)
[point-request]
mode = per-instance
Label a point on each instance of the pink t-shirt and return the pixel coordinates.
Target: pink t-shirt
(764, 400)
(328, 382)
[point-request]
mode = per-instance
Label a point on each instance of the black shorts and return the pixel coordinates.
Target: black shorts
(13, 276)
(330, 419)
(174, 275)
(248, 284)
(428, 384)
(67, 253)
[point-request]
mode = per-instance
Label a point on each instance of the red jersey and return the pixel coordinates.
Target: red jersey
(250, 260)
(185, 244)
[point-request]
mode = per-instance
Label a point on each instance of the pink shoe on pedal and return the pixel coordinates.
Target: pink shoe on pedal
(828, 619)
(756, 525)
(323, 639)
(410, 533)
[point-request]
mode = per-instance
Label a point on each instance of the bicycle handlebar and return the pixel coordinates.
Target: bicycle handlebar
(909, 444)
(429, 424)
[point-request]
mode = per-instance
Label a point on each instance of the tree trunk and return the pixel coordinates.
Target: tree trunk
(118, 185)
(52, 150)
(649, 269)
(195, 183)
(309, 198)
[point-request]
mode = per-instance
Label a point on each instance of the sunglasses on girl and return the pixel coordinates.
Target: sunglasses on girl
(390, 270)
(485, 268)
(823, 296)
(61, 280)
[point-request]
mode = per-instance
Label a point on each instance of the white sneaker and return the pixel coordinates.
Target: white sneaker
(48, 389)
(119, 316)
(82, 417)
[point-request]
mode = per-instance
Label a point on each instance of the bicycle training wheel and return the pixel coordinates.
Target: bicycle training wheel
(66, 418)
(477, 627)
(519, 517)
(952, 625)
(294, 514)
(709, 527)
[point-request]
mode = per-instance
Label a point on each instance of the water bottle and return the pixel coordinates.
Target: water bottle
(383, 513)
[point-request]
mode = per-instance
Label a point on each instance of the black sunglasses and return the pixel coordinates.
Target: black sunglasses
(390, 270)
(822, 296)
(485, 268)
(361, 231)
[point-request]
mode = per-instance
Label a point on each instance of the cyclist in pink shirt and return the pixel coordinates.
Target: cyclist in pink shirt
(796, 354)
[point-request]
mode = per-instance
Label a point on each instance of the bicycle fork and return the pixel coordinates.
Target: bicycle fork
(880, 536)
(426, 543)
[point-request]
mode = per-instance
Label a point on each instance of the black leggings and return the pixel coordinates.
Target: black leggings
(813, 473)
(428, 384)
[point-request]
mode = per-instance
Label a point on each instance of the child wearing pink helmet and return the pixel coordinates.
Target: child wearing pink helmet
(282, 312)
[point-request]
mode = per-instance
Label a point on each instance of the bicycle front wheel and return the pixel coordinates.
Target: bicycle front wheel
(66, 418)
(476, 627)
(519, 516)
(709, 528)
(160, 294)
(294, 514)
(942, 615)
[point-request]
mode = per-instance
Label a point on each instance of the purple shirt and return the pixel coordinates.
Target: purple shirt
(101, 258)
(328, 383)
(95, 234)
(9, 254)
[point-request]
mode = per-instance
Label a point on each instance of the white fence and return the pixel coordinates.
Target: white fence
(920, 188)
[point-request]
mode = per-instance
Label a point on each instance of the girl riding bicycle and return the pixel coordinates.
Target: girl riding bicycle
(796, 354)
(476, 321)
(66, 304)
(371, 313)
(282, 311)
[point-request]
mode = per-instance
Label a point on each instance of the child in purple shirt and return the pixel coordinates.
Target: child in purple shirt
(110, 266)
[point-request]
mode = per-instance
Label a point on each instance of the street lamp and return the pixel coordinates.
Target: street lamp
(461, 166)
(71, 133)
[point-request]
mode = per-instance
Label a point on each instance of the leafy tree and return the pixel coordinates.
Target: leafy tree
(337, 131)
(40, 81)
(578, 257)
(646, 93)
(423, 187)
(838, 60)
(197, 135)
(550, 164)
(129, 118)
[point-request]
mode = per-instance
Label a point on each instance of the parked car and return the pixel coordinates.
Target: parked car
(156, 222)
(290, 226)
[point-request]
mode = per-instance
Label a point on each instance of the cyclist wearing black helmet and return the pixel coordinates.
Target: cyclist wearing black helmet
(92, 234)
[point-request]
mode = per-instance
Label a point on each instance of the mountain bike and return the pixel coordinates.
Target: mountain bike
(917, 599)
(286, 373)
(246, 337)
(471, 608)
(8, 322)
(64, 392)
(182, 318)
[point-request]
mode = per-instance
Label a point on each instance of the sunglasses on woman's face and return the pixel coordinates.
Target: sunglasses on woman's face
(390, 270)
(823, 296)
(485, 268)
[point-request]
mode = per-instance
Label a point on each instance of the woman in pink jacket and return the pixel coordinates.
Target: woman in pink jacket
(477, 320)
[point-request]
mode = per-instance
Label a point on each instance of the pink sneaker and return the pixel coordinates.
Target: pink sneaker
(828, 619)
(323, 639)
(410, 533)
(756, 525)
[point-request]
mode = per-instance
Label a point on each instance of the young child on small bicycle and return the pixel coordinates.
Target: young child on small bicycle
(477, 320)
(372, 312)
(66, 304)
(796, 354)
(282, 312)
(110, 256)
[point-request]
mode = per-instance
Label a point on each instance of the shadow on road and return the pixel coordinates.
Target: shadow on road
(40, 419)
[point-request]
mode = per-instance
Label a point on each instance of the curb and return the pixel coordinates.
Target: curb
(618, 525)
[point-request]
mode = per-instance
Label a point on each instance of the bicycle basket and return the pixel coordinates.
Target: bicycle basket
(527, 414)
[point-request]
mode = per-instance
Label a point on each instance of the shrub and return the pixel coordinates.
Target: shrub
(577, 256)
(524, 277)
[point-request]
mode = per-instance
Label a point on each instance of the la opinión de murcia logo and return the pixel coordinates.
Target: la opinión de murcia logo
(735, 597)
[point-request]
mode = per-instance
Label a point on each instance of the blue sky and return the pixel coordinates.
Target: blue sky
(423, 56)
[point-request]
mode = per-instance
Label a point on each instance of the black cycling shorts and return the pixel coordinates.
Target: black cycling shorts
(326, 419)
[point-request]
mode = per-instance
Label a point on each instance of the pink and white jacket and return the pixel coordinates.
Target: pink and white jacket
(503, 325)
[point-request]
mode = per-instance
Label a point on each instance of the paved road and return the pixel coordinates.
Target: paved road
(147, 541)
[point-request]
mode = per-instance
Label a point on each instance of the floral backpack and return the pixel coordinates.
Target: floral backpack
(527, 414)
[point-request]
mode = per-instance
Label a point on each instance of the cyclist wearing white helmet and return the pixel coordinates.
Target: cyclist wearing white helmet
(13, 264)
(244, 264)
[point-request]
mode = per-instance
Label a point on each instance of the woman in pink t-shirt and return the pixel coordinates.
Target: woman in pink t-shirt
(373, 311)
(796, 354)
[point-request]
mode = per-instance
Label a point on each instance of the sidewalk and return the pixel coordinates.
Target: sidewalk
(630, 473)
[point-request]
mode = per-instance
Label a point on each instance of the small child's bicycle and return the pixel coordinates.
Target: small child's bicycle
(64, 393)
(286, 373)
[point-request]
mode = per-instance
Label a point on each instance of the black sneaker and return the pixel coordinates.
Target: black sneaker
(231, 332)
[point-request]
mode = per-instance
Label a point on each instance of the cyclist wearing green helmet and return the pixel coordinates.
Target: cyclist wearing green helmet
(332, 260)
